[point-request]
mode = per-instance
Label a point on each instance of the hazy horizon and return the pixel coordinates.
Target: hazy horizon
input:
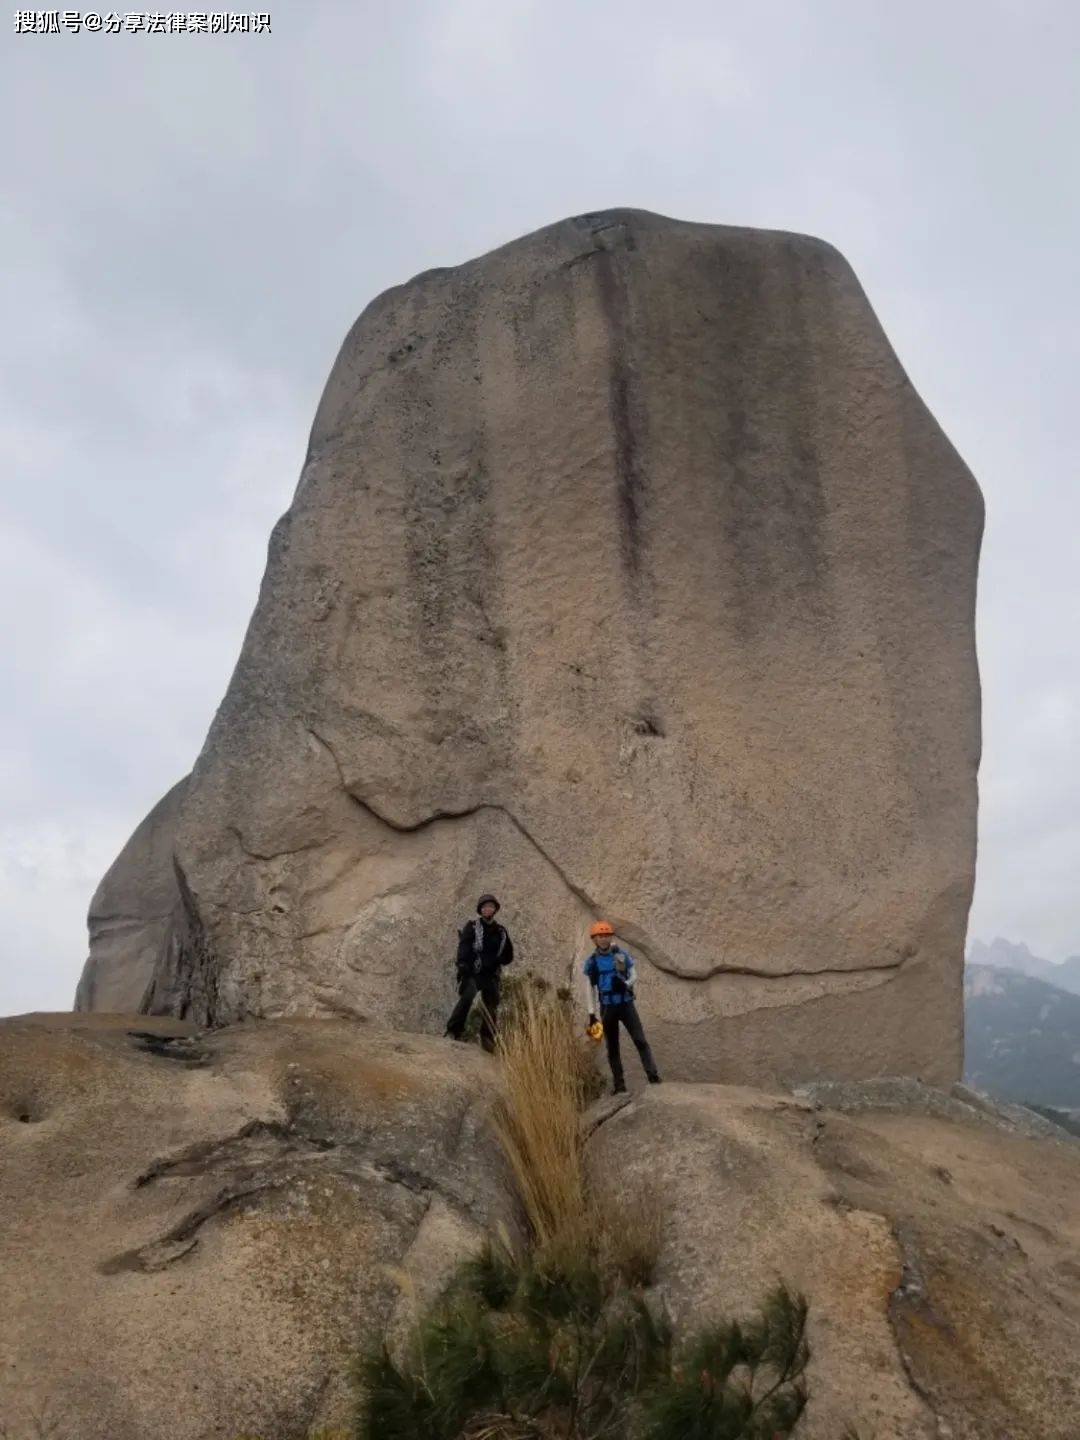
(974, 940)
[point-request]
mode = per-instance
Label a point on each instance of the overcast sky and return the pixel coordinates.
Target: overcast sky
(192, 222)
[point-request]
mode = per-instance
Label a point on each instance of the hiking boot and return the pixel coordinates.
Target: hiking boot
(619, 1088)
(655, 1080)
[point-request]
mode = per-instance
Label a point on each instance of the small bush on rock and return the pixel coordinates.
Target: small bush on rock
(576, 1353)
(736, 1380)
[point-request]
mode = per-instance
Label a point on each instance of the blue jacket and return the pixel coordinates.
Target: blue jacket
(605, 982)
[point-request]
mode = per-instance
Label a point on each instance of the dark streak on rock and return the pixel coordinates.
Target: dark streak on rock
(261, 1158)
(910, 1300)
(185, 981)
(182, 1049)
(625, 409)
(208, 1155)
(173, 1245)
(605, 1111)
(648, 723)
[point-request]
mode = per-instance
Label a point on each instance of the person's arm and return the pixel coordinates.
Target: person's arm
(630, 977)
(592, 995)
(465, 947)
(507, 956)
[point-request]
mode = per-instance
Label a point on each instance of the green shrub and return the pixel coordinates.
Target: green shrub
(569, 1350)
(491, 1275)
(734, 1382)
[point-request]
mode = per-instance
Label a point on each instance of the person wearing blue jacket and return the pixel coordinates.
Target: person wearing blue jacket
(611, 977)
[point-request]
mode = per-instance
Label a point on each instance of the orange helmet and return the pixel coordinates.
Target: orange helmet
(600, 928)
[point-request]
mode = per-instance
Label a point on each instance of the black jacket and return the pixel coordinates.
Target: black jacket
(496, 948)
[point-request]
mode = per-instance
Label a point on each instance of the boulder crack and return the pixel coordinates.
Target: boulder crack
(182, 1238)
(234, 830)
(403, 827)
(608, 1112)
(911, 1298)
(261, 1158)
(723, 968)
(669, 967)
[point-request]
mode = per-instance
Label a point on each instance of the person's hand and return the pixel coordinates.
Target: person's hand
(592, 1020)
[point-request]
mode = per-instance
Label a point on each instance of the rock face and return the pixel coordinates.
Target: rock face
(627, 575)
(200, 1230)
(935, 1238)
(131, 914)
(198, 1233)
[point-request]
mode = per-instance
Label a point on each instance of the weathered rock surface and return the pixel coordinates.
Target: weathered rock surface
(626, 575)
(197, 1228)
(131, 914)
(938, 1242)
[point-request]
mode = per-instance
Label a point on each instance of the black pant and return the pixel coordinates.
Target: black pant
(627, 1014)
(486, 984)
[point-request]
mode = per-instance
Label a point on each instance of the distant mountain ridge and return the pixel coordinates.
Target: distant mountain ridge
(1004, 954)
(1022, 1037)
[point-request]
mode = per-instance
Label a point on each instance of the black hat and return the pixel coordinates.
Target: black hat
(487, 900)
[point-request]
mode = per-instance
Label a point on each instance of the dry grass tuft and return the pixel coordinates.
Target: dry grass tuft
(538, 1121)
(548, 1077)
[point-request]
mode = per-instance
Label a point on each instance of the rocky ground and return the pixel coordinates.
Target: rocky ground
(200, 1230)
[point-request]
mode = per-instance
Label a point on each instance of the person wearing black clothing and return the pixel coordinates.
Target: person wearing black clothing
(484, 948)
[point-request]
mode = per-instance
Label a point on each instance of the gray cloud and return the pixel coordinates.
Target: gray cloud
(192, 223)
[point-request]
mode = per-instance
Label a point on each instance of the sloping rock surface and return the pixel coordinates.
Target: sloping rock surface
(200, 1230)
(936, 1237)
(626, 575)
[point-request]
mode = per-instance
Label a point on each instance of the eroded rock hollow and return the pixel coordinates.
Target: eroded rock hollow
(627, 575)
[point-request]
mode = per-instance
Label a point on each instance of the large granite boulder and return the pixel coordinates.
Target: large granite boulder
(131, 914)
(626, 575)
